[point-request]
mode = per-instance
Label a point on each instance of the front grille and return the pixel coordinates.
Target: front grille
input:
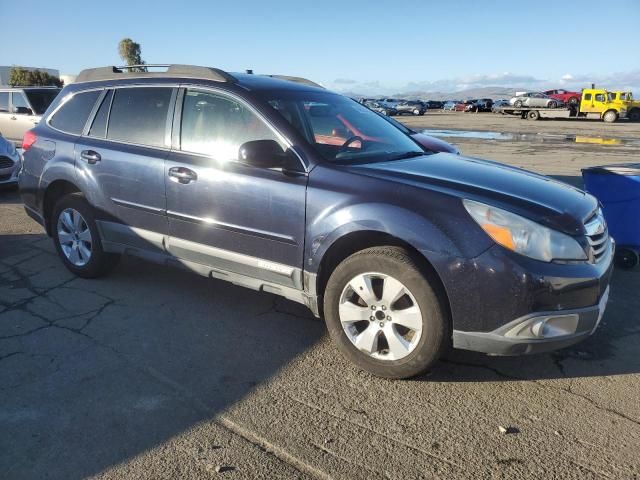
(6, 162)
(597, 236)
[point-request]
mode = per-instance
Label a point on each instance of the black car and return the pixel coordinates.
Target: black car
(279, 185)
(412, 107)
(383, 109)
(434, 105)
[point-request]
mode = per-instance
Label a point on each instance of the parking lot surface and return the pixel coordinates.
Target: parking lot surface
(158, 373)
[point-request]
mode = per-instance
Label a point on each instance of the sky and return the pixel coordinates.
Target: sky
(368, 47)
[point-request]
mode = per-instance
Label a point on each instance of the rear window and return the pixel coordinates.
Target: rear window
(139, 115)
(73, 114)
(41, 99)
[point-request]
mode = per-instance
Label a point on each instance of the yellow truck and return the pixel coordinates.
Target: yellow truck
(594, 103)
(626, 99)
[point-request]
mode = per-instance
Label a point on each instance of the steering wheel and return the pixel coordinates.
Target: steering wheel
(349, 141)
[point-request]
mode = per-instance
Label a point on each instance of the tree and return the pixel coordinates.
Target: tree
(131, 53)
(33, 78)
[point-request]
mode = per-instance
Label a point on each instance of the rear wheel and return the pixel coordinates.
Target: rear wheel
(574, 101)
(610, 116)
(384, 315)
(626, 258)
(533, 115)
(76, 238)
(553, 104)
(634, 115)
(518, 104)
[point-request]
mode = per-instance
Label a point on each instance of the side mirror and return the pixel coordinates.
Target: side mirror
(22, 110)
(262, 154)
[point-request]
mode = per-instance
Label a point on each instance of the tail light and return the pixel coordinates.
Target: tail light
(28, 140)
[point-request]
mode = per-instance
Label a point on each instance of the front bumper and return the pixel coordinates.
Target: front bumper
(535, 333)
(9, 176)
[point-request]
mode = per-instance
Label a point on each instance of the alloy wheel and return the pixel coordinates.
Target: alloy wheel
(74, 237)
(380, 316)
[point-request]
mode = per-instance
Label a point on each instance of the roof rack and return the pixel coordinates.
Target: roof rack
(140, 71)
(301, 80)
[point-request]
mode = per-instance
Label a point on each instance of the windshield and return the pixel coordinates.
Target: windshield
(343, 131)
(41, 99)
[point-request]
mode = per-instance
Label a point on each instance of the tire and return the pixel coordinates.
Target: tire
(412, 350)
(610, 116)
(553, 105)
(416, 112)
(82, 235)
(518, 104)
(574, 101)
(634, 115)
(626, 258)
(533, 115)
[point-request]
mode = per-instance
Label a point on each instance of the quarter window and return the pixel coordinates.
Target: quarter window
(4, 101)
(72, 116)
(587, 96)
(599, 97)
(18, 101)
(217, 126)
(139, 115)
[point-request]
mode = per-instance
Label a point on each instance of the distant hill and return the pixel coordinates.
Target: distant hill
(483, 92)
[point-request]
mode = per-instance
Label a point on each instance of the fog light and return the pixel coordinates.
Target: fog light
(545, 327)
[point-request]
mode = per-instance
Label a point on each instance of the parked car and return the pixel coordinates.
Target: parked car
(450, 104)
(9, 162)
(479, 105)
(22, 108)
(389, 102)
(535, 99)
(462, 106)
(499, 104)
(565, 96)
(404, 251)
(434, 105)
(413, 107)
(378, 107)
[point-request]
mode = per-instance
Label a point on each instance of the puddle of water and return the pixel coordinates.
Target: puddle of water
(529, 137)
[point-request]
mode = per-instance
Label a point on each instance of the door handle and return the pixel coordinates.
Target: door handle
(13, 118)
(90, 156)
(182, 175)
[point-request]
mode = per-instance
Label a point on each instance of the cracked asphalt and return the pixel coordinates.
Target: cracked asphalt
(158, 373)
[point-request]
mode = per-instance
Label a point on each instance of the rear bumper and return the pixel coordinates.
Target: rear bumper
(535, 333)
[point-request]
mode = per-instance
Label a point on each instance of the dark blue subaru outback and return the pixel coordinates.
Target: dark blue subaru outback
(279, 185)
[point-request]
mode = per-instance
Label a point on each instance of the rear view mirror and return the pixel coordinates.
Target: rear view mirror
(262, 154)
(320, 111)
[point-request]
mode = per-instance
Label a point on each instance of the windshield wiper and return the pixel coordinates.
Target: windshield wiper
(404, 155)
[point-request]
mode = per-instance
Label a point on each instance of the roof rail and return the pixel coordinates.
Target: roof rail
(172, 71)
(301, 80)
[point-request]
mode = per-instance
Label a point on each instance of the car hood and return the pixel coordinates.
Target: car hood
(541, 199)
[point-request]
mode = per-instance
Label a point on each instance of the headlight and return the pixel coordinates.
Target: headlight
(524, 236)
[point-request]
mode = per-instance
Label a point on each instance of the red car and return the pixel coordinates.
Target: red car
(570, 98)
(462, 106)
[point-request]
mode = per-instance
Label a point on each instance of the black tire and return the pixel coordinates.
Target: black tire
(626, 258)
(574, 101)
(553, 104)
(518, 104)
(395, 262)
(634, 115)
(100, 262)
(533, 115)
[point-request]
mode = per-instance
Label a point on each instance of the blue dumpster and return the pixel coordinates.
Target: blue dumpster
(618, 189)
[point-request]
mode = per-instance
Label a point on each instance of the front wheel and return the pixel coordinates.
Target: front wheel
(634, 115)
(610, 116)
(384, 315)
(77, 240)
(517, 104)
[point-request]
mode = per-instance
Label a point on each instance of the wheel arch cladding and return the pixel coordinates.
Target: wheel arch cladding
(54, 192)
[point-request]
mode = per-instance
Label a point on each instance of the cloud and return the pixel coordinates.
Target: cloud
(344, 81)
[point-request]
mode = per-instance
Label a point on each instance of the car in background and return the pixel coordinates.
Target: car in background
(450, 105)
(461, 106)
(412, 107)
(9, 162)
(434, 104)
(380, 108)
(479, 105)
(565, 96)
(389, 102)
(22, 108)
(535, 99)
(499, 104)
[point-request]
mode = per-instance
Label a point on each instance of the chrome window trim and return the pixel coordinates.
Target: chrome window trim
(63, 102)
(226, 93)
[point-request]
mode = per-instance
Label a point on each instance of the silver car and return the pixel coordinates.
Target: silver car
(535, 99)
(9, 162)
(21, 108)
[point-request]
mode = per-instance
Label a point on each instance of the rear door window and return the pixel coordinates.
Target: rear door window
(19, 102)
(139, 115)
(72, 116)
(4, 102)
